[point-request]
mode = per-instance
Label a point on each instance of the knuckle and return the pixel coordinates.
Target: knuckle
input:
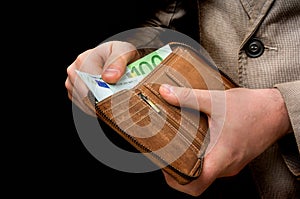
(185, 94)
(69, 71)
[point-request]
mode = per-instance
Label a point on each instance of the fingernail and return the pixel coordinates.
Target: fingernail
(167, 89)
(111, 72)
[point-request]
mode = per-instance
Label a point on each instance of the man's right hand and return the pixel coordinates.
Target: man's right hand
(108, 60)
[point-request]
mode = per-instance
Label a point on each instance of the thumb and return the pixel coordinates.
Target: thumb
(117, 61)
(186, 97)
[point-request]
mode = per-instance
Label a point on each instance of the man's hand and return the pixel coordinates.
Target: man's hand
(108, 59)
(243, 123)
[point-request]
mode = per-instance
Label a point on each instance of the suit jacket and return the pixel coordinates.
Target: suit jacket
(257, 44)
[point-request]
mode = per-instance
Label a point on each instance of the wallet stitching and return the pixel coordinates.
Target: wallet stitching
(174, 131)
(135, 122)
(218, 77)
(169, 123)
(120, 111)
(182, 126)
(198, 164)
(179, 82)
(118, 104)
(131, 115)
(133, 140)
(183, 138)
(186, 140)
(194, 124)
(105, 101)
(172, 62)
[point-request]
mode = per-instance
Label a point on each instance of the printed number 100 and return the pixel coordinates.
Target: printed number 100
(145, 67)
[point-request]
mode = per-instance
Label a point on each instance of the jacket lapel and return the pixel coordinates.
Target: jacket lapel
(256, 11)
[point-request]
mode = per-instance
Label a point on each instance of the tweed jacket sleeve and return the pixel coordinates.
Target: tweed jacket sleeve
(291, 94)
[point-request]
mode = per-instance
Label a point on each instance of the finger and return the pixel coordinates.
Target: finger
(186, 97)
(89, 61)
(196, 187)
(213, 166)
(116, 64)
(77, 93)
(74, 83)
(77, 100)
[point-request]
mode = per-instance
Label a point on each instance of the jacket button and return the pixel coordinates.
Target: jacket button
(254, 48)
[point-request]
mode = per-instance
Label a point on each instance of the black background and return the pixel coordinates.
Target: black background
(49, 159)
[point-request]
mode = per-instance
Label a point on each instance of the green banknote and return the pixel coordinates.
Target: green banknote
(146, 64)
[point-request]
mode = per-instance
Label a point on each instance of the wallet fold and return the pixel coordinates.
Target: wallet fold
(174, 138)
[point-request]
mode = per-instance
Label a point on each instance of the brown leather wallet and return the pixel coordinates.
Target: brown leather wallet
(173, 138)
